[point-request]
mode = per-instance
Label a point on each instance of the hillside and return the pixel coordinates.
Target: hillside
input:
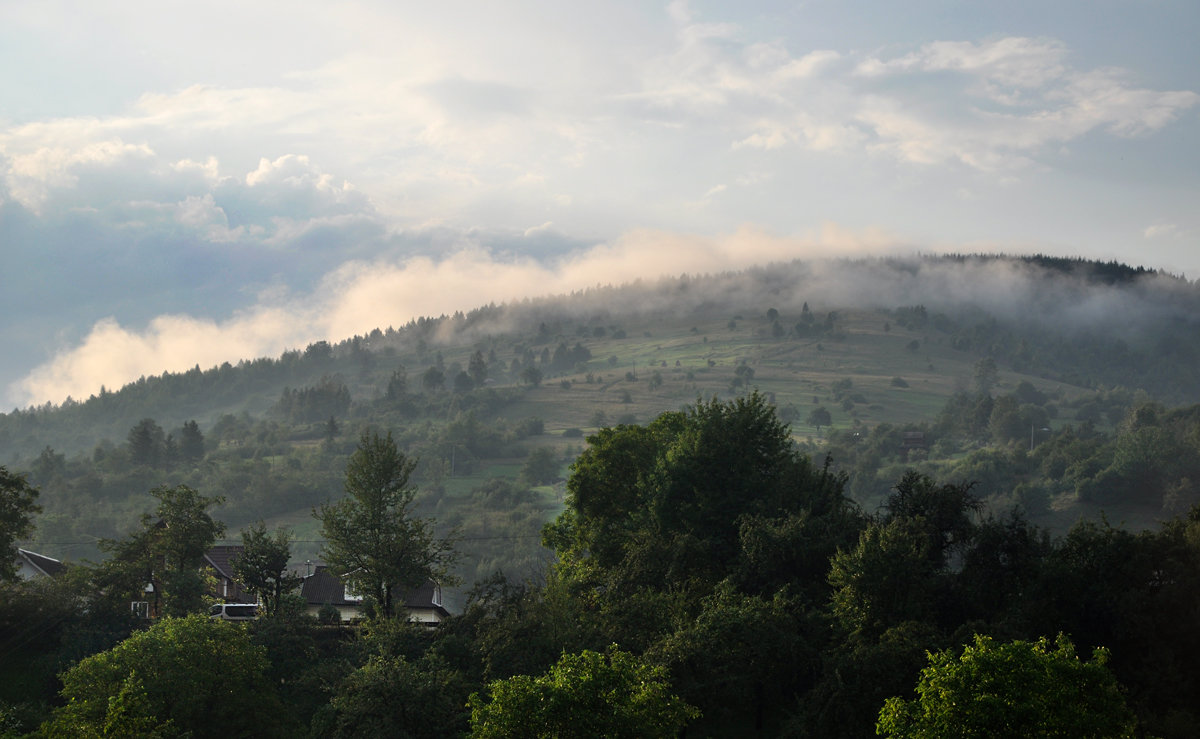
(496, 401)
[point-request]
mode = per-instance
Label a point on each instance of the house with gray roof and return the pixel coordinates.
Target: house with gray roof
(31, 565)
(324, 588)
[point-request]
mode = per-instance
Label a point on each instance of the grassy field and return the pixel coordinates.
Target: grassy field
(701, 358)
(896, 376)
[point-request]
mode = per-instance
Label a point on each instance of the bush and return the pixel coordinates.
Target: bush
(329, 615)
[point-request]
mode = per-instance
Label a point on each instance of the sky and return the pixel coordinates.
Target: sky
(185, 184)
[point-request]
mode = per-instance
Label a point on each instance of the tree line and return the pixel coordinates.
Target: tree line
(707, 576)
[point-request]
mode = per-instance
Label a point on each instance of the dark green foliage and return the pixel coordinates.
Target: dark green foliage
(262, 566)
(397, 387)
(328, 398)
(1002, 566)
(191, 442)
(900, 569)
(477, 368)
(858, 675)
(944, 512)
(664, 504)
(703, 531)
(741, 658)
(372, 538)
(188, 676)
(17, 509)
(48, 466)
(146, 443)
(675, 542)
(583, 695)
(819, 417)
(433, 379)
(160, 562)
(541, 467)
(391, 696)
(509, 628)
(1017, 689)
(463, 383)
(890, 577)
(565, 358)
(531, 375)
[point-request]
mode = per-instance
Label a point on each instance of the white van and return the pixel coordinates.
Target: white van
(234, 611)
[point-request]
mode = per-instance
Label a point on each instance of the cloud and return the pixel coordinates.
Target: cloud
(374, 133)
(808, 65)
(31, 177)
(362, 295)
(1011, 61)
(991, 105)
(124, 186)
(1162, 231)
(1019, 96)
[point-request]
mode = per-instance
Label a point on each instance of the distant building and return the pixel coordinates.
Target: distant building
(31, 565)
(323, 588)
(219, 562)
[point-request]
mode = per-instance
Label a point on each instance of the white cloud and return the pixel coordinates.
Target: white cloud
(337, 133)
(1162, 231)
(808, 65)
(1013, 61)
(1006, 99)
(362, 295)
(1037, 100)
(32, 176)
(112, 355)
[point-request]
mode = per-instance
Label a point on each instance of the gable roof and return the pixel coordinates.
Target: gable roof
(221, 557)
(48, 566)
(322, 587)
(427, 596)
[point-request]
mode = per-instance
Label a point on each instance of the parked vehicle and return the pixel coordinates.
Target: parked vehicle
(234, 611)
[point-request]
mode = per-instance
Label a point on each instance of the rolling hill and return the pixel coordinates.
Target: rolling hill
(487, 399)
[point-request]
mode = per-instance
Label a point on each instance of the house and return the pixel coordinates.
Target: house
(217, 564)
(218, 561)
(31, 565)
(323, 588)
(425, 604)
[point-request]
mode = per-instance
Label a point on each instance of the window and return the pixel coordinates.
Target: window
(240, 612)
(437, 595)
(140, 608)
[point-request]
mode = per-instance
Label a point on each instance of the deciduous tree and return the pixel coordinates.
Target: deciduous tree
(182, 677)
(262, 567)
(584, 695)
(1015, 689)
(166, 553)
(372, 539)
(17, 508)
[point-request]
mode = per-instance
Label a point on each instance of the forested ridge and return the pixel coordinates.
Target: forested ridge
(764, 495)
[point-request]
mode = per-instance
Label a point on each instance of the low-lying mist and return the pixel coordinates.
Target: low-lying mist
(647, 273)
